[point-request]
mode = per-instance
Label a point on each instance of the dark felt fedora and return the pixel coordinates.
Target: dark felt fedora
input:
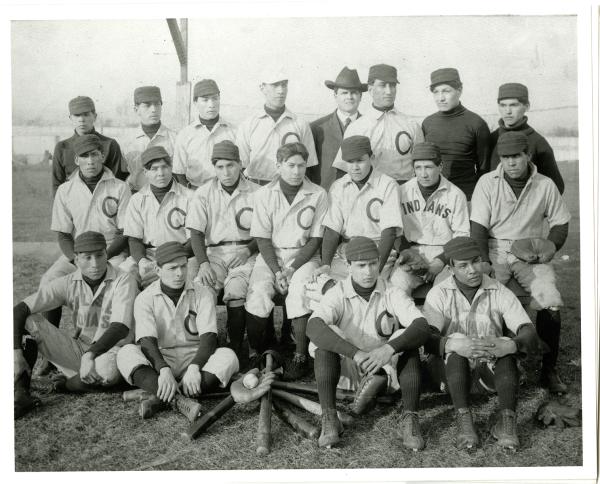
(347, 79)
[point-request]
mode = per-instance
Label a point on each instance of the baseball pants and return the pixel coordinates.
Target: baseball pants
(65, 352)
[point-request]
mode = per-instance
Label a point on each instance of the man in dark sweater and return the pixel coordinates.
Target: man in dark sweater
(461, 135)
(477, 328)
(515, 202)
(82, 114)
(101, 299)
(357, 344)
(513, 103)
(176, 335)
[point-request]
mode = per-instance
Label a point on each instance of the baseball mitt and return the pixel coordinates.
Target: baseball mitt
(409, 260)
(554, 413)
(533, 251)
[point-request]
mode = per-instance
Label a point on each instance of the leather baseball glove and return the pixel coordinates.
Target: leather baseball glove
(554, 413)
(533, 251)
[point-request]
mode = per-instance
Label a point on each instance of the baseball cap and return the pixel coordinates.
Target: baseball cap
(81, 104)
(147, 94)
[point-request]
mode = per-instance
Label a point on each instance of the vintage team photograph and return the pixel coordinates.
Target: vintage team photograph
(297, 243)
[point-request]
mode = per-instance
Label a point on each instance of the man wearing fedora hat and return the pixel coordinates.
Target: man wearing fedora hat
(461, 135)
(150, 132)
(82, 113)
(392, 133)
(328, 131)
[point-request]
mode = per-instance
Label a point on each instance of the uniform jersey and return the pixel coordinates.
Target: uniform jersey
(173, 326)
(289, 226)
(91, 313)
(354, 212)
(136, 144)
(392, 135)
(495, 206)
(156, 223)
(193, 149)
(220, 216)
(259, 138)
(78, 210)
(366, 324)
(442, 217)
(493, 307)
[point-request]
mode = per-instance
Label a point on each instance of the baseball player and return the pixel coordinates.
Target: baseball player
(147, 102)
(357, 344)
(391, 132)
(461, 135)
(92, 199)
(515, 202)
(260, 136)
(219, 221)
(100, 297)
(82, 113)
(328, 131)
(478, 328)
(364, 202)
(513, 103)
(155, 215)
(194, 143)
(434, 211)
(176, 335)
(287, 224)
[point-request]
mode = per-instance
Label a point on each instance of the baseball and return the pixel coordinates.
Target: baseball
(250, 381)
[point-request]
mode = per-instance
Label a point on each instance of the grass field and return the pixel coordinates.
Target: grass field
(101, 432)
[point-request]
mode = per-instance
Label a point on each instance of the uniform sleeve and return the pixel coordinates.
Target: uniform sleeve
(197, 217)
(513, 313)
(317, 228)
(556, 210)
(180, 154)
(123, 297)
(481, 208)
(243, 142)
(460, 216)
(62, 220)
(391, 217)
(482, 145)
(58, 168)
(309, 142)
(331, 307)
(334, 218)
(433, 310)
(262, 225)
(402, 306)
(49, 296)
(134, 221)
(145, 323)
(124, 198)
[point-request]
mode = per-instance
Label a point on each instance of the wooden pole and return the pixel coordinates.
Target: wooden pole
(179, 34)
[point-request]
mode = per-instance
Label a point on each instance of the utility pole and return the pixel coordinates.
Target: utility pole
(179, 34)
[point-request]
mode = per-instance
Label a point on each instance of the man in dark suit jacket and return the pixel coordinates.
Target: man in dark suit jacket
(328, 131)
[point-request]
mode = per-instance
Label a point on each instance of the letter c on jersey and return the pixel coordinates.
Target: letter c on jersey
(191, 317)
(305, 221)
(238, 218)
(374, 217)
(170, 218)
(390, 328)
(110, 206)
(406, 140)
(289, 134)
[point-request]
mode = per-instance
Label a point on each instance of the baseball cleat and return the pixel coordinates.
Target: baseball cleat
(295, 368)
(331, 429)
(466, 435)
(149, 407)
(368, 390)
(189, 407)
(549, 379)
(505, 429)
(24, 403)
(411, 431)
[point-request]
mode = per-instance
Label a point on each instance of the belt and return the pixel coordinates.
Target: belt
(259, 182)
(231, 242)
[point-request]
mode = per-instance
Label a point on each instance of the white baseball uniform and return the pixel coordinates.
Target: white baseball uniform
(136, 144)
(193, 149)
(77, 210)
(289, 226)
(392, 135)
(91, 315)
(354, 212)
(178, 330)
(225, 221)
(259, 138)
(366, 324)
(495, 206)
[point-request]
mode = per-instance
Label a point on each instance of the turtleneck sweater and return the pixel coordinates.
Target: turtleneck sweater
(275, 113)
(209, 123)
(160, 192)
(92, 181)
(150, 129)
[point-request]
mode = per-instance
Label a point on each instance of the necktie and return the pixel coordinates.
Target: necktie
(346, 123)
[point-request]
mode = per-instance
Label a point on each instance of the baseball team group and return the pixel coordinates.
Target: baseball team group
(341, 221)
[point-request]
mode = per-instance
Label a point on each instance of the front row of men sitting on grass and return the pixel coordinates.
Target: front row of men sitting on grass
(365, 333)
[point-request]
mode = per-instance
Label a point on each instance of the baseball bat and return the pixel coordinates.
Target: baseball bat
(210, 417)
(343, 395)
(263, 434)
(309, 405)
(140, 394)
(303, 427)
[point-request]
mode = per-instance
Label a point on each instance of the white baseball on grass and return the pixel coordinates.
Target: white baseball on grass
(250, 381)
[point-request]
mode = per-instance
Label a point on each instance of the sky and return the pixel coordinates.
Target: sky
(55, 60)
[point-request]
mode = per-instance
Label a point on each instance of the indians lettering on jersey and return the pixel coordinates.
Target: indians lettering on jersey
(433, 206)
